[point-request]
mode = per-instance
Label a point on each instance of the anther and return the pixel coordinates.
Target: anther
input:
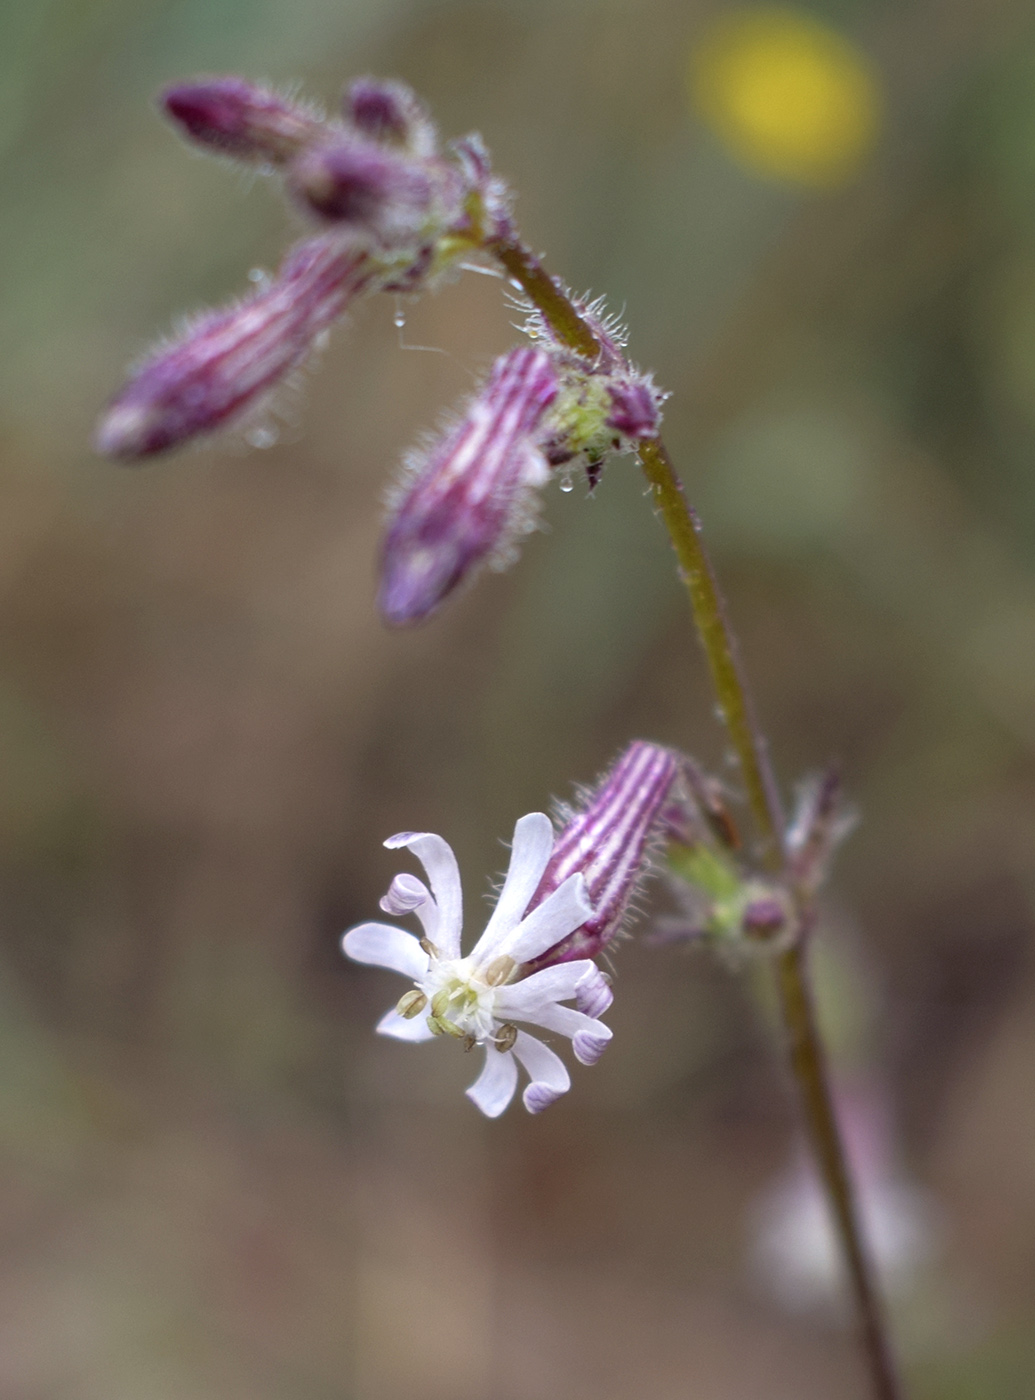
(500, 970)
(429, 947)
(506, 1037)
(412, 1004)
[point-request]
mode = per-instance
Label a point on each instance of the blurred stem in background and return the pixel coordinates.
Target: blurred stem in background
(808, 1059)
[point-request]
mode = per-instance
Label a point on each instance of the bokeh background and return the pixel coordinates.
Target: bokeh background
(215, 1183)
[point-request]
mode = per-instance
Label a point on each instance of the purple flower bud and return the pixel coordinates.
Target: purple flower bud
(229, 359)
(634, 408)
(362, 184)
(391, 113)
(469, 495)
(765, 918)
(241, 120)
(608, 842)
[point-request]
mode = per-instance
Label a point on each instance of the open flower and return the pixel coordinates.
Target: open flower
(482, 997)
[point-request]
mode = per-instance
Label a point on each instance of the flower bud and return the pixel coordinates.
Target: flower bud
(470, 495)
(634, 408)
(363, 185)
(390, 113)
(608, 842)
(229, 359)
(236, 118)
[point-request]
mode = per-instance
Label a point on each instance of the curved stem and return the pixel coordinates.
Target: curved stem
(737, 712)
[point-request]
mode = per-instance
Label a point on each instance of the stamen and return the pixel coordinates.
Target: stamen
(412, 1004)
(500, 970)
(506, 1036)
(429, 947)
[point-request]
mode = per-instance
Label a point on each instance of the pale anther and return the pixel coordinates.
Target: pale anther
(412, 1004)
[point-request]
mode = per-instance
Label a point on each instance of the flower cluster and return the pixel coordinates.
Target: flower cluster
(391, 210)
(563, 901)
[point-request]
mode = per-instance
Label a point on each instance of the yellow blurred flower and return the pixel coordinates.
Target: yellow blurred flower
(789, 97)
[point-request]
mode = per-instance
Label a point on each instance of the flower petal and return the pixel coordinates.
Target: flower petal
(593, 995)
(588, 1046)
(399, 1028)
(439, 861)
(384, 945)
(550, 984)
(494, 1087)
(529, 856)
(549, 1077)
(551, 921)
(563, 1019)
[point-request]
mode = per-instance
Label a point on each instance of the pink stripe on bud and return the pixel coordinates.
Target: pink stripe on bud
(229, 359)
(469, 495)
(608, 842)
(239, 119)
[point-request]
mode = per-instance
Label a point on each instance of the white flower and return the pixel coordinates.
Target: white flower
(480, 997)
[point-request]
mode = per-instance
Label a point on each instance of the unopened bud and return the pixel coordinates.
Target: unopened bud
(239, 119)
(390, 113)
(470, 495)
(412, 1004)
(634, 408)
(363, 185)
(608, 841)
(765, 918)
(229, 360)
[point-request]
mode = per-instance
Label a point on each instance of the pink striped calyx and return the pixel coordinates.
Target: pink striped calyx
(609, 841)
(228, 360)
(466, 500)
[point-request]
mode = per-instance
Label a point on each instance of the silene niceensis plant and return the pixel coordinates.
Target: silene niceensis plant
(390, 208)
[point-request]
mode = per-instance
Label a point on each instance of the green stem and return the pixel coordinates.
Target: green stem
(716, 635)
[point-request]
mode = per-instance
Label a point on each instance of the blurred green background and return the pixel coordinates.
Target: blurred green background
(215, 1182)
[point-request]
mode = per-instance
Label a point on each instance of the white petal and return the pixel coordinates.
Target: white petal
(554, 919)
(399, 1028)
(439, 861)
(557, 983)
(563, 1019)
(494, 1087)
(384, 945)
(529, 856)
(588, 1046)
(549, 1077)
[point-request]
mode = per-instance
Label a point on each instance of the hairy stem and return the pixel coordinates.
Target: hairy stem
(737, 712)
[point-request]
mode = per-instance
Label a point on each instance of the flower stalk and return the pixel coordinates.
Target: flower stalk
(808, 1061)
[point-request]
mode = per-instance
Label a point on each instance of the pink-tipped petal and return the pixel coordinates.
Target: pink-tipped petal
(405, 894)
(436, 855)
(593, 993)
(545, 1069)
(589, 1047)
